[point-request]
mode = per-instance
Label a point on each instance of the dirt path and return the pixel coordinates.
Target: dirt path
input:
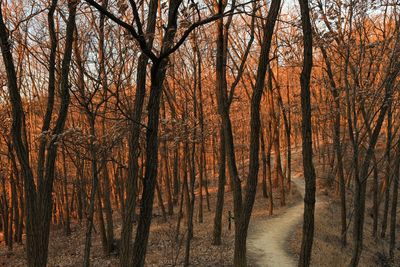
(266, 243)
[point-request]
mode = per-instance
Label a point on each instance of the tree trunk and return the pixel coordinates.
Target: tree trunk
(38, 202)
(140, 245)
(308, 167)
(161, 202)
(134, 136)
(107, 207)
(360, 188)
(337, 146)
(375, 207)
(264, 167)
(95, 184)
(100, 220)
(393, 215)
(221, 191)
(67, 223)
(388, 173)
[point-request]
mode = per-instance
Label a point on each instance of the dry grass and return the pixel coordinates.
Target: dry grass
(327, 249)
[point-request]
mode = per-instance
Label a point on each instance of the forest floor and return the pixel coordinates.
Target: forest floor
(327, 249)
(67, 251)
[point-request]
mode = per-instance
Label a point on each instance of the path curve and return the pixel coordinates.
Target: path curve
(267, 240)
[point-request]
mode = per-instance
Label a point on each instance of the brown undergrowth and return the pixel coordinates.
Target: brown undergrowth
(162, 250)
(327, 248)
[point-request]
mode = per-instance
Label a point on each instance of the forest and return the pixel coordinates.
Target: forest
(199, 133)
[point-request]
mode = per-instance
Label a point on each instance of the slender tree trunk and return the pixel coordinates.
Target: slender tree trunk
(142, 234)
(95, 184)
(168, 181)
(16, 203)
(184, 190)
(79, 193)
(388, 173)
(161, 202)
(38, 200)
(308, 167)
(100, 220)
(176, 175)
(393, 215)
(337, 146)
(107, 206)
(264, 167)
(5, 213)
(67, 223)
(361, 182)
(106, 178)
(221, 191)
(133, 167)
(191, 198)
(375, 207)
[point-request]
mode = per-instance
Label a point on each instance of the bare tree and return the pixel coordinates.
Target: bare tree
(39, 197)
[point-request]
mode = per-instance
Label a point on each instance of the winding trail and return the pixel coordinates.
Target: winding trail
(267, 240)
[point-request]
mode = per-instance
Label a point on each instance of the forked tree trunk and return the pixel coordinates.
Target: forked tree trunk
(38, 201)
(104, 168)
(93, 193)
(134, 136)
(158, 71)
(338, 147)
(361, 182)
(243, 207)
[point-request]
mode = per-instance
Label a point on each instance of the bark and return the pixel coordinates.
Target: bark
(393, 213)
(269, 173)
(106, 178)
(100, 220)
(375, 207)
(167, 180)
(107, 207)
(361, 182)
(67, 223)
(80, 190)
(158, 71)
(337, 146)
(191, 199)
(17, 203)
(388, 172)
(243, 207)
(278, 166)
(133, 167)
(286, 122)
(264, 167)
(140, 245)
(38, 202)
(184, 191)
(221, 191)
(95, 184)
(176, 175)
(161, 202)
(5, 214)
(308, 167)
